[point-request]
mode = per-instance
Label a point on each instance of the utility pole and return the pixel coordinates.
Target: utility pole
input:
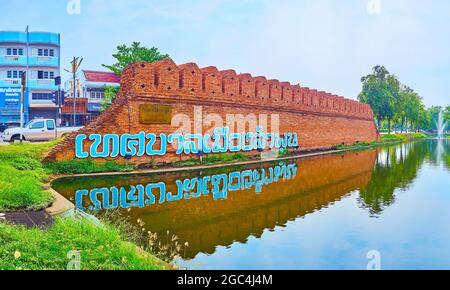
(75, 66)
(58, 101)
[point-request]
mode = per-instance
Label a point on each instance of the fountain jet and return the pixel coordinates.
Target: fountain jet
(441, 125)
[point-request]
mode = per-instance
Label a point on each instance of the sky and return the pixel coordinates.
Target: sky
(323, 44)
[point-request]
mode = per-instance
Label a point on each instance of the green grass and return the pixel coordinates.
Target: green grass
(213, 159)
(100, 248)
(22, 176)
(402, 137)
(85, 167)
(385, 139)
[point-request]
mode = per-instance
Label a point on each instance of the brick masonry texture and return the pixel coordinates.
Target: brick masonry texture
(322, 120)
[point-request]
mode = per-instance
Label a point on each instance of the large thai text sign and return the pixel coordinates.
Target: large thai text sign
(144, 144)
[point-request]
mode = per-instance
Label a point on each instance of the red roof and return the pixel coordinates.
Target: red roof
(101, 77)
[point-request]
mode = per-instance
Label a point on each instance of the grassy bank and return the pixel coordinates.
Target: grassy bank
(385, 140)
(98, 247)
(214, 159)
(402, 137)
(22, 176)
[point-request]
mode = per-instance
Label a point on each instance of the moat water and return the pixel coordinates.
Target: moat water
(343, 211)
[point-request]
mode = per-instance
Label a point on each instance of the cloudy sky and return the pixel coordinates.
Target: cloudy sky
(323, 44)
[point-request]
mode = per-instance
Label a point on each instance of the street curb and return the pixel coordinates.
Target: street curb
(211, 166)
(60, 204)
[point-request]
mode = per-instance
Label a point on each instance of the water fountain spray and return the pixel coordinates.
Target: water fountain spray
(441, 124)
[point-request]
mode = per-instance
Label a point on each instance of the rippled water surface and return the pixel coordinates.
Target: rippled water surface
(325, 212)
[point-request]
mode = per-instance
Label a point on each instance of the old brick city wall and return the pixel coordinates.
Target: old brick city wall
(321, 119)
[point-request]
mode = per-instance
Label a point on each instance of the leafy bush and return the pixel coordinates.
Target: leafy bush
(216, 158)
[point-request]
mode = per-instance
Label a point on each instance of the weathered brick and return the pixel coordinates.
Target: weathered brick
(321, 119)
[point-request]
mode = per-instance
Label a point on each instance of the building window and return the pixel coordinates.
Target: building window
(42, 96)
(14, 74)
(97, 95)
(14, 51)
(45, 75)
(46, 52)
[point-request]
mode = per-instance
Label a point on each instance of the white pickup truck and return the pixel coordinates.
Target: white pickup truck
(37, 130)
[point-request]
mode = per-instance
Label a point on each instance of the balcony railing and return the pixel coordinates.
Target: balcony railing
(47, 85)
(33, 61)
(81, 106)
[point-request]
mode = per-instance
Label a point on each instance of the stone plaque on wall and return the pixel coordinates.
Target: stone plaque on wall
(155, 114)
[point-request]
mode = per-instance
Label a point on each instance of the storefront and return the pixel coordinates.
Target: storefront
(10, 106)
(94, 109)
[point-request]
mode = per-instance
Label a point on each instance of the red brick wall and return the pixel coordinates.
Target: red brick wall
(321, 119)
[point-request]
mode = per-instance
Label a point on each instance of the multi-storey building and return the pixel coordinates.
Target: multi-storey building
(90, 91)
(38, 54)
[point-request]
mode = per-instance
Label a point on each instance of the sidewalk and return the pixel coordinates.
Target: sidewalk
(30, 219)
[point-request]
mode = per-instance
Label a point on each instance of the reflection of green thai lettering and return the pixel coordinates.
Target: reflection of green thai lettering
(218, 186)
(135, 197)
(234, 181)
(106, 200)
(149, 192)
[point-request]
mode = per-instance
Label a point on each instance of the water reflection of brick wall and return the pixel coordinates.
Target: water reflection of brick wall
(321, 119)
(208, 223)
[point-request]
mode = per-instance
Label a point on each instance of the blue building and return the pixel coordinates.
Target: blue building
(39, 54)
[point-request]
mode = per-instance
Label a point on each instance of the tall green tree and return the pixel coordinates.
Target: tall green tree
(129, 54)
(109, 95)
(381, 91)
(124, 56)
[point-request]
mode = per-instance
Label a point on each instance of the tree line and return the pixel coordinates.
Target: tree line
(396, 105)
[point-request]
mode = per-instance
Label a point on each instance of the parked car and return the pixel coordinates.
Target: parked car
(3, 127)
(38, 130)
